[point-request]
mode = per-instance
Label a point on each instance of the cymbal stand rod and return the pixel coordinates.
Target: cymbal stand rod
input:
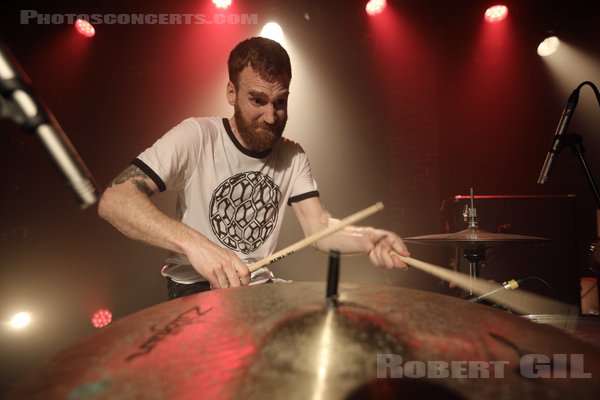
(333, 279)
(470, 278)
(470, 214)
(472, 275)
(472, 197)
(474, 257)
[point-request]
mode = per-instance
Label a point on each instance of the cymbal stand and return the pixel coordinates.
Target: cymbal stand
(477, 254)
(474, 256)
(333, 277)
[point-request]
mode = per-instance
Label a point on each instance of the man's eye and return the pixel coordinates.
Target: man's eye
(258, 102)
(280, 103)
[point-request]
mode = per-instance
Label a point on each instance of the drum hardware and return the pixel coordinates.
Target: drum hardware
(474, 241)
(278, 341)
(473, 255)
(333, 275)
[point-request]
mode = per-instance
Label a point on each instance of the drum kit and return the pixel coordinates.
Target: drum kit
(309, 340)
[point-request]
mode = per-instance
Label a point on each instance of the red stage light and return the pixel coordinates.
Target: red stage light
(84, 28)
(223, 4)
(101, 318)
(375, 7)
(496, 13)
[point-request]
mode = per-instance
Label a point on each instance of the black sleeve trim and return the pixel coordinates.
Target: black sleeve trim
(304, 196)
(151, 174)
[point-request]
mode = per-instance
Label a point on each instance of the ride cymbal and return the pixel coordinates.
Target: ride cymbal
(472, 238)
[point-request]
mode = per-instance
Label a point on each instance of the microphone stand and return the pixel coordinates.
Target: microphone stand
(19, 102)
(575, 142)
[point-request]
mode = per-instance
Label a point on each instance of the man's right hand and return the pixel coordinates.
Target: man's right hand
(126, 205)
(221, 267)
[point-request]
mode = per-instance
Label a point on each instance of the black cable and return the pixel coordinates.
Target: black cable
(544, 282)
(594, 88)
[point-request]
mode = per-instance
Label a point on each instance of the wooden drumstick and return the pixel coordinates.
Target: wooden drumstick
(307, 241)
(461, 280)
(523, 302)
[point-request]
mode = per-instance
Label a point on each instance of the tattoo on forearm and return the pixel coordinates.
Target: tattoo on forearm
(143, 187)
(132, 173)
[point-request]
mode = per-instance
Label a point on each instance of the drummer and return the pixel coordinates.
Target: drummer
(233, 178)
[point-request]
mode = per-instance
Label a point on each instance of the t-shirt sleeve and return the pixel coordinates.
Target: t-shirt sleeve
(171, 160)
(305, 185)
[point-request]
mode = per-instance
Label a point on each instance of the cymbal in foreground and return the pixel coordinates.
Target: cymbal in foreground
(278, 341)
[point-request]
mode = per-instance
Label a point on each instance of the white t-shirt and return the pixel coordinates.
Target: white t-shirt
(233, 196)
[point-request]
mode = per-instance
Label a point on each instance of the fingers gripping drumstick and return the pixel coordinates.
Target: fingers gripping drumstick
(307, 241)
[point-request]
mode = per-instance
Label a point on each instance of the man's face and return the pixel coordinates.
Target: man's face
(260, 110)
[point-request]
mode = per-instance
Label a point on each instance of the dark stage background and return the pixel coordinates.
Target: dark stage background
(412, 107)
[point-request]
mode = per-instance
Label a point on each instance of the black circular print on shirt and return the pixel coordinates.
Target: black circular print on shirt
(244, 210)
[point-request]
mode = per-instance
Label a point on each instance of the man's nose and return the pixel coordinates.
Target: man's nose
(269, 114)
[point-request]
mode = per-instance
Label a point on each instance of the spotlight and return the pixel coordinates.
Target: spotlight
(273, 31)
(84, 28)
(222, 4)
(496, 13)
(375, 7)
(101, 318)
(20, 320)
(548, 46)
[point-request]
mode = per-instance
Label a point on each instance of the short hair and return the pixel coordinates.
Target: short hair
(265, 56)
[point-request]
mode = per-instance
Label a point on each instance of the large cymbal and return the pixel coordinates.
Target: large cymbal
(278, 341)
(470, 238)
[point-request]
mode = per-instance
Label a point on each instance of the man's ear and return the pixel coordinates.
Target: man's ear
(231, 93)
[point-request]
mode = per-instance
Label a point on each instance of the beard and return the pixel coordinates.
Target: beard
(258, 136)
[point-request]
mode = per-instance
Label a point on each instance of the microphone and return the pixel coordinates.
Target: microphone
(555, 145)
(508, 285)
(19, 101)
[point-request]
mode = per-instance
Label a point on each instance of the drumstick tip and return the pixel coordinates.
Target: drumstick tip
(379, 206)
